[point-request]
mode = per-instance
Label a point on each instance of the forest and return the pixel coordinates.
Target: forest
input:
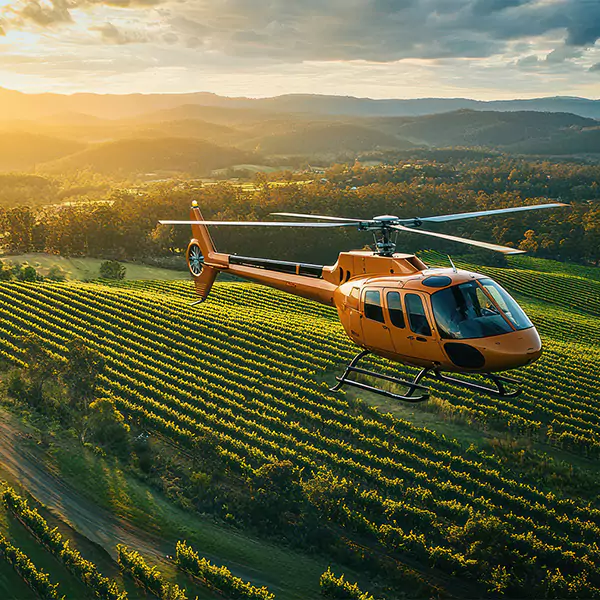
(92, 215)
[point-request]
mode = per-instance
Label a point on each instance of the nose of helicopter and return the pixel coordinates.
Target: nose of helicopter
(509, 351)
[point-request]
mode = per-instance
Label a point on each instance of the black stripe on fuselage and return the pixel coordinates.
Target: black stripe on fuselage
(280, 266)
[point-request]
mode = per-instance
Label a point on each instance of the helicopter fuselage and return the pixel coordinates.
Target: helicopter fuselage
(388, 305)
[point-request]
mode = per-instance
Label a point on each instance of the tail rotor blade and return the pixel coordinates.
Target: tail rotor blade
(453, 238)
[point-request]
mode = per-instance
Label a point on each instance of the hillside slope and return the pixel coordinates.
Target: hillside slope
(318, 138)
(246, 369)
(23, 151)
(499, 129)
(156, 155)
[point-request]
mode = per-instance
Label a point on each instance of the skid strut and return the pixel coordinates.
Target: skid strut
(499, 390)
(408, 397)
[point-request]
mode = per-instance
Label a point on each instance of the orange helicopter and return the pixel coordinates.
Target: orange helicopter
(443, 320)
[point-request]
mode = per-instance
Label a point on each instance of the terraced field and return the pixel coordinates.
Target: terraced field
(249, 368)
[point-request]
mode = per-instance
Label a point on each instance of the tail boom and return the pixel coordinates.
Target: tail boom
(296, 278)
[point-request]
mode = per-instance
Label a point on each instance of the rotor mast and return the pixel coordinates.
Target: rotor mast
(382, 232)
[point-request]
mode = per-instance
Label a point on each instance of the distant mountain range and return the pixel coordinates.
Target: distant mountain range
(16, 105)
(170, 134)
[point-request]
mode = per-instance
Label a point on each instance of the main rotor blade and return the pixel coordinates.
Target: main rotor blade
(320, 217)
(258, 223)
(482, 213)
(453, 238)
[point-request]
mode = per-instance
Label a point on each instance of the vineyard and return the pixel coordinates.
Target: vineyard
(249, 371)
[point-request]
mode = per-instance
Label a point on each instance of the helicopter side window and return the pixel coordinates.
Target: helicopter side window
(373, 309)
(416, 315)
(395, 309)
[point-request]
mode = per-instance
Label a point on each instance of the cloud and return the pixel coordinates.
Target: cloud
(584, 26)
(595, 68)
(563, 53)
(374, 30)
(47, 13)
(381, 30)
(44, 14)
(113, 35)
(473, 44)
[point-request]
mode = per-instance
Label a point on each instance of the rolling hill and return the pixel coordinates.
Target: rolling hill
(23, 151)
(154, 155)
(185, 128)
(483, 128)
(192, 139)
(327, 138)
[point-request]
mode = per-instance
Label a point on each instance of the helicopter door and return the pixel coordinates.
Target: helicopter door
(376, 333)
(398, 325)
(418, 328)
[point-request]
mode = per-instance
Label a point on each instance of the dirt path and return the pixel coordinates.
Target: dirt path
(21, 464)
(24, 464)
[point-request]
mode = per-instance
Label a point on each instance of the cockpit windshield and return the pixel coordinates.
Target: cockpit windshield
(476, 309)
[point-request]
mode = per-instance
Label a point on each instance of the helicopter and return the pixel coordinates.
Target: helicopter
(444, 321)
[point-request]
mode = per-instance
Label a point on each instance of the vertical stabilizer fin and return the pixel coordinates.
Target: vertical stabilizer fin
(204, 275)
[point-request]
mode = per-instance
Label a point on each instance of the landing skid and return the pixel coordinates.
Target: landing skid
(408, 397)
(415, 387)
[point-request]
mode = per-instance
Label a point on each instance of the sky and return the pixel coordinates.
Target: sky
(482, 49)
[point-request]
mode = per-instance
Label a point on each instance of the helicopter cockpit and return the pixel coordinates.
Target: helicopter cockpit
(476, 309)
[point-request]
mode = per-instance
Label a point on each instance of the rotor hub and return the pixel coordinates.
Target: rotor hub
(389, 219)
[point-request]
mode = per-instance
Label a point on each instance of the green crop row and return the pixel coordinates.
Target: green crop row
(246, 375)
(86, 571)
(37, 580)
(150, 578)
(218, 578)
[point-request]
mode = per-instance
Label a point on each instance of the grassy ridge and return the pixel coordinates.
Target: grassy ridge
(248, 368)
(88, 268)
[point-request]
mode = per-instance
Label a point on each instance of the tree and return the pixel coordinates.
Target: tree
(29, 384)
(106, 426)
(6, 272)
(276, 491)
(529, 243)
(112, 269)
(26, 273)
(83, 368)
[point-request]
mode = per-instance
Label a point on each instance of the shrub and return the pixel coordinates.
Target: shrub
(340, 589)
(112, 269)
(55, 273)
(26, 273)
(6, 272)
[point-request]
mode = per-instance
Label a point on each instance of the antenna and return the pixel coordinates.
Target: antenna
(452, 263)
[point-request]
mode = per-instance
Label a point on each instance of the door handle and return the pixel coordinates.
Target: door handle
(411, 337)
(386, 327)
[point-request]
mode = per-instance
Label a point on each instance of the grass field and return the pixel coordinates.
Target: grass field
(89, 268)
(478, 496)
